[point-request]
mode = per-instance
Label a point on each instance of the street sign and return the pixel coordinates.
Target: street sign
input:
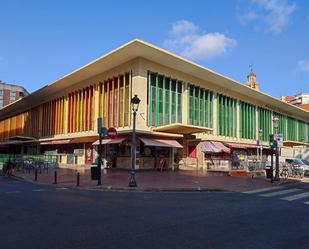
(103, 131)
(280, 140)
(111, 132)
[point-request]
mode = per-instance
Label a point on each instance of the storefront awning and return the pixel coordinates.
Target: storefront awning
(178, 128)
(111, 141)
(214, 147)
(289, 143)
(63, 141)
(21, 138)
(241, 146)
(161, 142)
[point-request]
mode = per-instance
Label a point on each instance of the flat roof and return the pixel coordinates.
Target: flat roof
(138, 48)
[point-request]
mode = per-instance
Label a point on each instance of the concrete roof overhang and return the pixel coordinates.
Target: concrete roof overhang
(134, 49)
(181, 129)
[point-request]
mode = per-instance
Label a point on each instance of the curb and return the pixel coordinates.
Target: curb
(151, 189)
(127, 189)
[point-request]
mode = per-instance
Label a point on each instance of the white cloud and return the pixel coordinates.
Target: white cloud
(187, 39)
(275, 14)
(303, 65)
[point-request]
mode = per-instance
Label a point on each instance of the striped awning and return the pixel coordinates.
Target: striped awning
(214, 147)
(118, 140)
(241, 146)
(160, 142)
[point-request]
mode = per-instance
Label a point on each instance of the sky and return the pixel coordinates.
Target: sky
(41, 41)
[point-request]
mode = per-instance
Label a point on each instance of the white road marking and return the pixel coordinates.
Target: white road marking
(39, 190)
(295, 197)
(12, 192)
(61, 188)
(306, 202)
(255, 191)
(282, 192)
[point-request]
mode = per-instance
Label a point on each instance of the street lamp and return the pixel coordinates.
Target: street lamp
(276, 125)
(134, 105)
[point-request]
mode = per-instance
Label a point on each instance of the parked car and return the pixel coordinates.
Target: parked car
(295, 162)
(297, 167)
(306, 167)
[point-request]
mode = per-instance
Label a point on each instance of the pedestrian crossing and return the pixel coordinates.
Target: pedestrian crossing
(282, 193)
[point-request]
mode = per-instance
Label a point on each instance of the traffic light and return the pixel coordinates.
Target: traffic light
(271, 141)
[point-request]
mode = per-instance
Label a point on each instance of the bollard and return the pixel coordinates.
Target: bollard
(78, 178)
(36, 174)
(55, 177)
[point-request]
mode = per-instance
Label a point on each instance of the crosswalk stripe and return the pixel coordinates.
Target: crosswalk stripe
(38, 190)
(12, 192)
(282, 192)
(255, 191)
(61, 188)
(295, 197)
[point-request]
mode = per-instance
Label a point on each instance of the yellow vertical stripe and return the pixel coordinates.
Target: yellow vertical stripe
(130, 96)
(124, 99)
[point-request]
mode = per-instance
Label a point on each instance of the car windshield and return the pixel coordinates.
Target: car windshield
(297, 161)
(305, 162)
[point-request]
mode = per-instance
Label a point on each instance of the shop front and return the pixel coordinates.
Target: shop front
(235, 158)
(151, 153)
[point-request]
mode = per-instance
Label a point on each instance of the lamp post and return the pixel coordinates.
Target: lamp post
(261, 146)
(276, 125)
(134, 105)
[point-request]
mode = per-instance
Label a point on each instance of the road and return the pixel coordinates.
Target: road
(38, 216)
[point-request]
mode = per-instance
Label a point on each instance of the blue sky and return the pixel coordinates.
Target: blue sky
(44, 40)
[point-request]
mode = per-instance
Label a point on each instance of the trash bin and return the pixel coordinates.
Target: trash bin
(94, 172)
(269, 173)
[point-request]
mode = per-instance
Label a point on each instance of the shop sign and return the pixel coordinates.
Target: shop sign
(78, 152)
(89, 153)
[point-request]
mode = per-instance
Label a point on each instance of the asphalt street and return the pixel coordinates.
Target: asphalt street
(39, 216)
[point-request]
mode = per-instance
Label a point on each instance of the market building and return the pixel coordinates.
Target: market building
(188, 117)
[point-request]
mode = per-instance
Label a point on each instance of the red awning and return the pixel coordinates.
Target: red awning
(161, 142)
(66, 141)
(214, 147)
(241, 146)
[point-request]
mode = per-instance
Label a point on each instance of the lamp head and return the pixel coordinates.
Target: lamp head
(135, 103)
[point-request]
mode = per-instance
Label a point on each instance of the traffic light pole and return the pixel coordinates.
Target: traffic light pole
(277, 178)
(272, 166)
(100, 159)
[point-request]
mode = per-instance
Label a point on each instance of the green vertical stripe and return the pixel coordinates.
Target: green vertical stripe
(164, 100)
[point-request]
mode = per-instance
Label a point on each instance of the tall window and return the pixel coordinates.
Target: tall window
(164, 100)
(292, 129)
(200, 106)
(265, 122)
(226, 113)
(247, 121)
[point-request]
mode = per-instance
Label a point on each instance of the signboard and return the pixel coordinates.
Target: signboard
(78, 152)
(111, 132)
(280, 140)
(89, 153)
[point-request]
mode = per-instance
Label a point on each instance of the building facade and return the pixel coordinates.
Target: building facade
(189, 116)
(9, 93)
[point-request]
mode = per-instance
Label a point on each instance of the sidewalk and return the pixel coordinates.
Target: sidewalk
(153, 180)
